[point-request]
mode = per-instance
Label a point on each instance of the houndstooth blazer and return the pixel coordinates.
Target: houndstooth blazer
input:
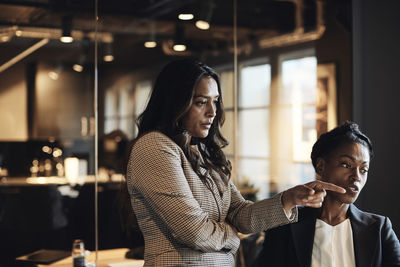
(183, 222)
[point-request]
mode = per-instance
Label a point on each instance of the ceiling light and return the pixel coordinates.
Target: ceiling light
(185, 16)
(150, 44)
(53, 75)
(5, 38)
(202, 25)
(77, 67)
(108, 58)
(108, 53)
(179, 47)
(205, 14)
(66, 39)
(179, 43)
(18, 33)
(185, 12)
(66, 30)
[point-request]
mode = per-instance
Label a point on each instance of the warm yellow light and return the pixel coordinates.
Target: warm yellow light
(53, 75)
(150, 44)
(77, 67)
(46, 149)
(108, 58)
(18, 33)
(41, 180)
(179, 47)
(66, 39)
(202, 25)
(185, 16)
(57, 152)
(5, 38)
(71, 165)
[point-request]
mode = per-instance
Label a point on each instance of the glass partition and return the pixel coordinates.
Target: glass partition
(264, 51)
(145, 36)
(47, 153)
(47, 127)
(277, 96)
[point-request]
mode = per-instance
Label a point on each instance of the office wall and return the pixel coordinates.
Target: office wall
(13, 104)
(335, 47)
(376, 100)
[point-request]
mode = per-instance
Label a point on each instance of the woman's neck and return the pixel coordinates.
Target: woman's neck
(333, 212)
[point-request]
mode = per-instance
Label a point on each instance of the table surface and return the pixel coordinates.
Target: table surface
(55, 180)
(111, 257)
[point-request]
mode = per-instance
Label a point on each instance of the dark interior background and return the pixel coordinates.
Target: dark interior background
(361, 38)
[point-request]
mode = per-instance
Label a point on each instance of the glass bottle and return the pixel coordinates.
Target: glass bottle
(78, 253)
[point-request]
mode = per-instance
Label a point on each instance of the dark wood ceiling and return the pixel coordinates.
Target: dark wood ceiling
(128, 20)
(254, 14)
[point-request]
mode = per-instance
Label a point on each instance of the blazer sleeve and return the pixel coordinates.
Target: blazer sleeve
(390, 245)
(155, 170)
(251, 217)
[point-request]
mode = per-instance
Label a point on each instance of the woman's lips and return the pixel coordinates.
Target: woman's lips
(206, 125)
(353, 188)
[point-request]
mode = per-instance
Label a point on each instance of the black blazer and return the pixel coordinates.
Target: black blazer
(375, 243)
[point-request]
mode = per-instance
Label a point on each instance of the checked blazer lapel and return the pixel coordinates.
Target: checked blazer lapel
(303, 235)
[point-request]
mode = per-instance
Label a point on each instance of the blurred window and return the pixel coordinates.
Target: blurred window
(276, 121)
(123, 105)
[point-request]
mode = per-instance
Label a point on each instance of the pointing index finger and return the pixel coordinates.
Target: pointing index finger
(328, 186)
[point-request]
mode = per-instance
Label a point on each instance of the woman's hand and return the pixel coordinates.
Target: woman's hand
(310, 195)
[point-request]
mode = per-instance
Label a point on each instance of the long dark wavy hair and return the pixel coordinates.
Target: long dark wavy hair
(170, 99)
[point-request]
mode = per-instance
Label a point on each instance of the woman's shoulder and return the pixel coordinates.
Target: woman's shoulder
(154, 141)
(365, 217)
(152, 138)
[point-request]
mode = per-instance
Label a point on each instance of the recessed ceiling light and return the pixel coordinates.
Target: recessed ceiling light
(185, 16)
(202, 25)
(150, 44)
(77, 67)
(66, 39)
(108, 58)
(179, 47)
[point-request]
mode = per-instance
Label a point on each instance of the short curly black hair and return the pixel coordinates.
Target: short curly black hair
(348, 132)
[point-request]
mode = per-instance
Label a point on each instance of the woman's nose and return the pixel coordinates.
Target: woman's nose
(211, 110)
(356, 174)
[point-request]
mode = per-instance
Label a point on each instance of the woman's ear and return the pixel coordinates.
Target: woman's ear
(320, 167)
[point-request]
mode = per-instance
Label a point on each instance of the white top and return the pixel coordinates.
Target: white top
(333, 245)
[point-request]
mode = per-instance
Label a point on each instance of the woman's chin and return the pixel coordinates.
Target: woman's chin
(202, 134)
(349, 199)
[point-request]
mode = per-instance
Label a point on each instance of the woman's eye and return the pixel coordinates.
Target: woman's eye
(364, 170)
(201, 103)
(346, 165)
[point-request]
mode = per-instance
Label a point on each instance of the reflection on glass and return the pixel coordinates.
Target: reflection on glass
(294, 173)
(226, 80)
(254, 133)
(228, 132)
(47, 91)
(255, 86)
(296, 122)
(299, 81)
(60, 110)
(255, 174)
